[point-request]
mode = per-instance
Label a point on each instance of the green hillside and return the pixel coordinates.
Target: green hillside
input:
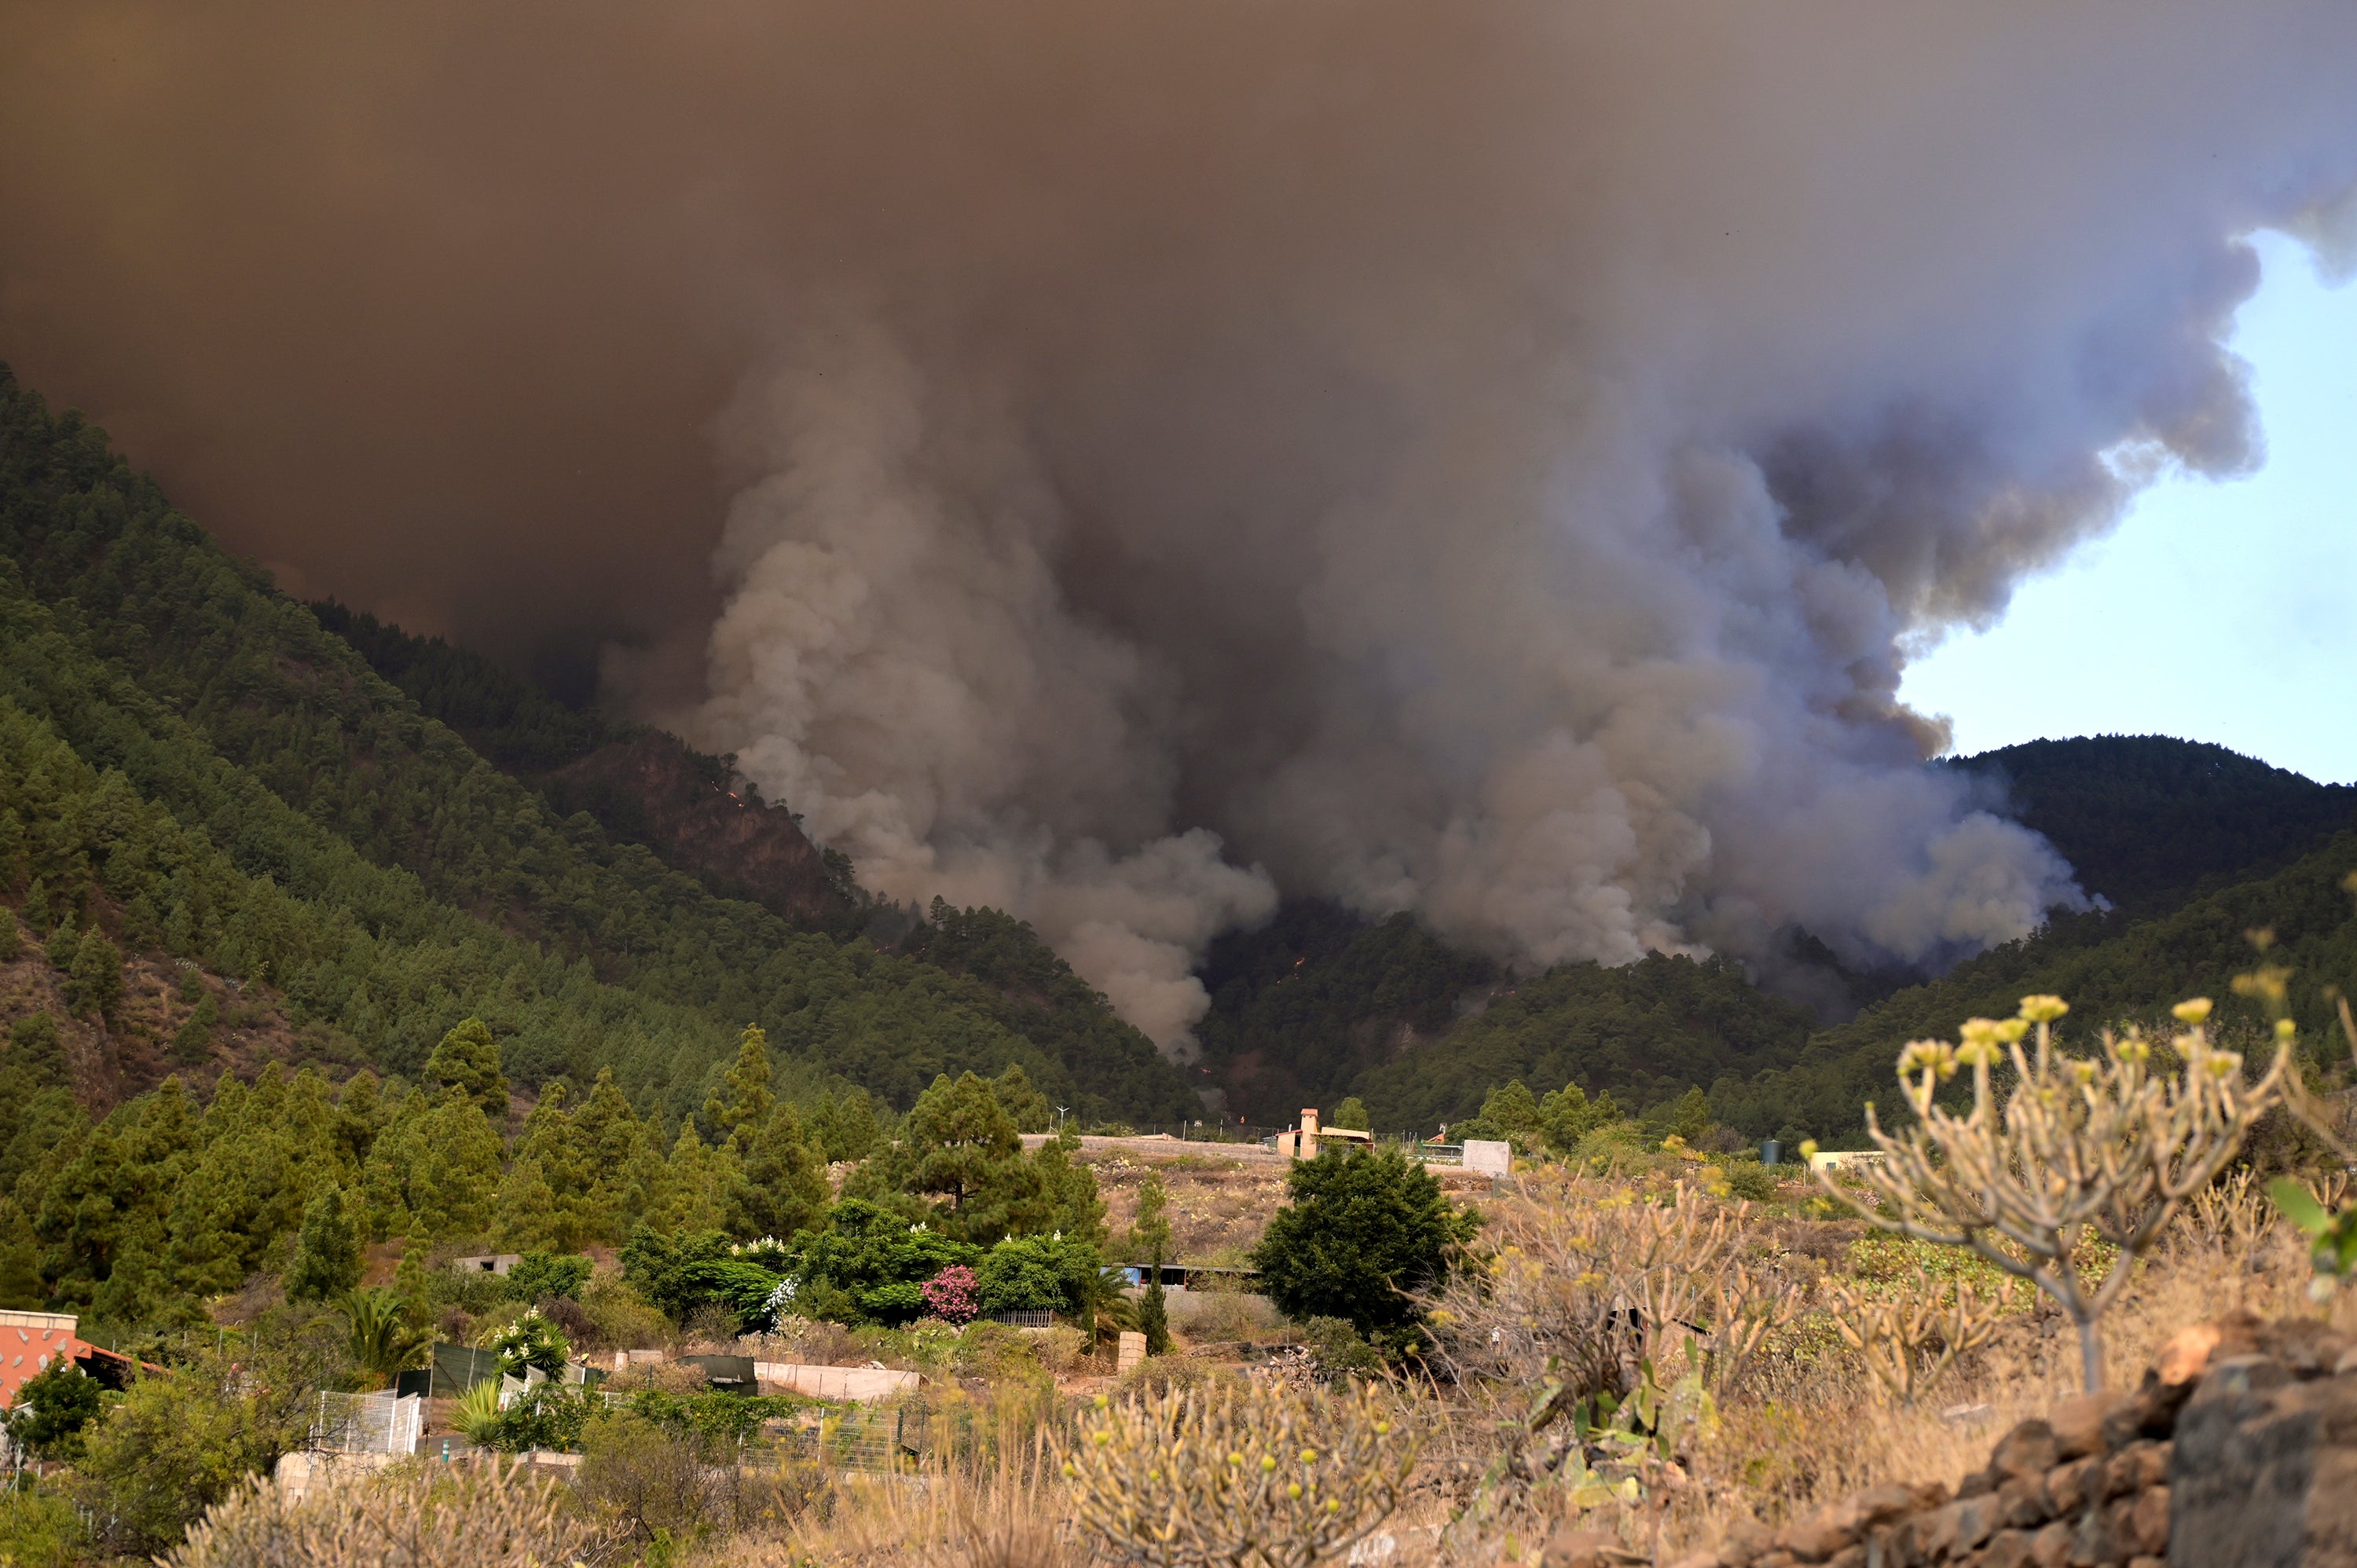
(2192, 845)
(202, 771)
(1303, 1006)
(2111, 970)
(647, 788)
(2150, 823)
(1646, 1032)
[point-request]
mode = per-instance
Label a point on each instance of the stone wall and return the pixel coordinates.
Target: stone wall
(2237, 1450)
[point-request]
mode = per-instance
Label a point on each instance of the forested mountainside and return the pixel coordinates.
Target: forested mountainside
(200, 772)
(2150, 823)
(641, 785)
(506, 719)
(2112, 970)
(204, 772)
(648, 787)
(1303, 1006)
(2195, 846)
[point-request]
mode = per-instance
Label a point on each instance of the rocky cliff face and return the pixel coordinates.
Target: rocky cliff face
(652, 788)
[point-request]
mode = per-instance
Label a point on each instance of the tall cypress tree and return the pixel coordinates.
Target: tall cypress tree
(1153, 1313)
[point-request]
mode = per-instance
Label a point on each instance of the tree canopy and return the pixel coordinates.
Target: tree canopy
(1361, 1233)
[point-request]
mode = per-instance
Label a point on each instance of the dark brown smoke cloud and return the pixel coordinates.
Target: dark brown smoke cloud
(1484, 459)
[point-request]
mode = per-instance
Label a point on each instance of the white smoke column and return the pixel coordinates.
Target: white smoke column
(897, 661)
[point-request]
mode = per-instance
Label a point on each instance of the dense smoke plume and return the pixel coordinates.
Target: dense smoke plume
(1486, 459)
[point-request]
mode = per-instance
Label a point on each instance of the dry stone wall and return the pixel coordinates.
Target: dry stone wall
(2238, 1450)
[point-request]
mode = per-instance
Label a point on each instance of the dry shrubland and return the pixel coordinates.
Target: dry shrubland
(1780, 1415)
(1790, 1415)
(1639, 1351)
(417, 1515)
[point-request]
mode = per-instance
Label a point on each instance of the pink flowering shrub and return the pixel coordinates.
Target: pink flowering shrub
(950, 1294)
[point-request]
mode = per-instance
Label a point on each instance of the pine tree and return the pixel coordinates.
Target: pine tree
(385, 1176)
(64, 942)
(12, 938)
(20, 1278)
(961, 1149)
(1690, 1118)
(524, 1212)
(36, 1054)
(469, 1059)
(696, 1180)
(745, 1109)
(845, 1128)
(626, 1168)
(359, 1113)
(327, 1260)
(192, 1043)
(1025, 1106)
(783, 1187)
(102, 1211)
(553, 1140)
(434, 1170)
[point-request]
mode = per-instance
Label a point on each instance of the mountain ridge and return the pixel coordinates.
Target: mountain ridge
(300, 825)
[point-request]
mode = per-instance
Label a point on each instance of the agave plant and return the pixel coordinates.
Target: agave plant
(477, 1414)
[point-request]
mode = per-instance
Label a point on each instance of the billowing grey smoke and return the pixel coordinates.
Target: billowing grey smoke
(899, 661)
(1491, 460)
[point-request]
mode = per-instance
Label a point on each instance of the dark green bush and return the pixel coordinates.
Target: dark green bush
(1337, 1350)
(541, 1274)
(1043, 1273)
(1364, 1232)
(53, 1407)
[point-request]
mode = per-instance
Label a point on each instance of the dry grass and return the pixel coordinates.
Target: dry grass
(1010, 1514)
(1773, 1459)
(414, 1516)
(1805, 1426)
(1217, 1208)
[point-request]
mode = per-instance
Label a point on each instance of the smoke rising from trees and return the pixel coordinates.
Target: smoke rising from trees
(1116, 461)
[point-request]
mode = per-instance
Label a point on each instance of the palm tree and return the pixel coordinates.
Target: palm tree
(380, 1340)
(1109, 1308)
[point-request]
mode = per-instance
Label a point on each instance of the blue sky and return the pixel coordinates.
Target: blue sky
(2222, 612)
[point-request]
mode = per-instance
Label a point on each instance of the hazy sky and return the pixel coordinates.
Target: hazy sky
(2218, 611)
